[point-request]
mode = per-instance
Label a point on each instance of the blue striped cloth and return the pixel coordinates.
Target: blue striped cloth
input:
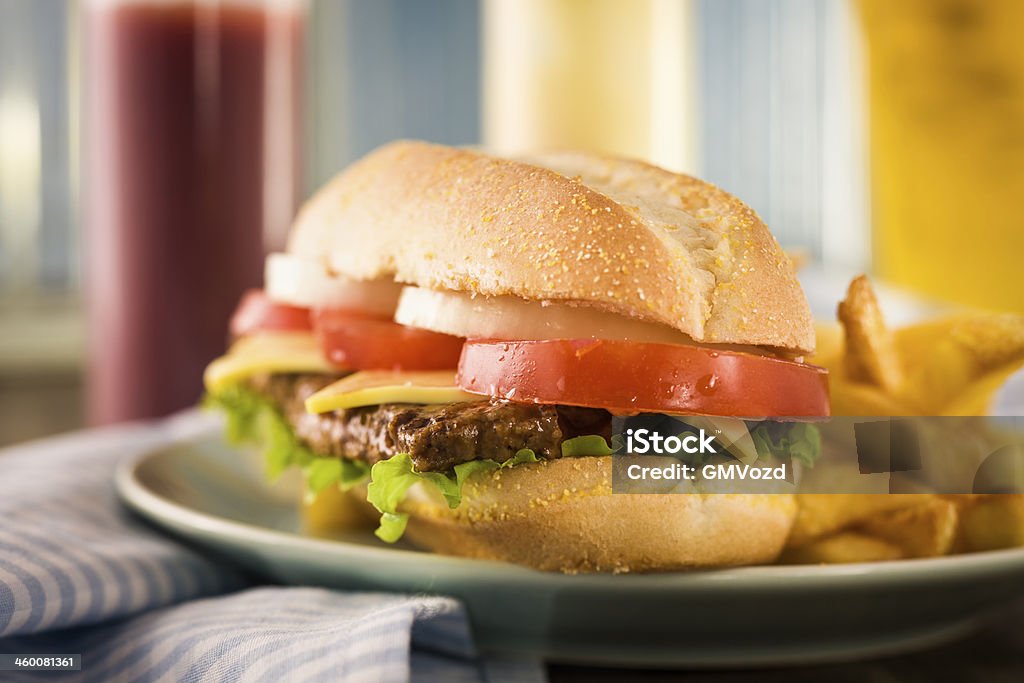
(80, 575)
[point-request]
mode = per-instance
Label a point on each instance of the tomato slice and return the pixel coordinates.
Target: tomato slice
(634, 377)
(256, 313)
(362, 342)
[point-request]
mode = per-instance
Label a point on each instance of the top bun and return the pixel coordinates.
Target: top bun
(614, 234)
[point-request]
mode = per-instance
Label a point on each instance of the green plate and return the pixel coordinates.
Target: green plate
(215, 495)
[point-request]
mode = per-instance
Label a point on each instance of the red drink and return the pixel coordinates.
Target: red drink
(191, 159)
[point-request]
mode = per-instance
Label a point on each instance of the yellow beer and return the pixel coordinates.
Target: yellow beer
(602, 75)
(947, 145)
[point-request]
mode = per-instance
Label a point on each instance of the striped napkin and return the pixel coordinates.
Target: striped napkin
(81, 575)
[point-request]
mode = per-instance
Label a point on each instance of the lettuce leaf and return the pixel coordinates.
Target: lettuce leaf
(793, 440)
(391, 479)
(340, 472)
(255, 420)
(591, 444)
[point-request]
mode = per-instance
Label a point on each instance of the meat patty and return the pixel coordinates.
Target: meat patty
(436, 437)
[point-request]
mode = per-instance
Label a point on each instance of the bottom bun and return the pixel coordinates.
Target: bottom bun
(561, 515)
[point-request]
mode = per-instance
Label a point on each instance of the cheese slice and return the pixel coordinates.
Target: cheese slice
(374, 387)
(266, 352)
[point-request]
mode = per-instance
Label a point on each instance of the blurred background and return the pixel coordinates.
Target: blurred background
(151, 151)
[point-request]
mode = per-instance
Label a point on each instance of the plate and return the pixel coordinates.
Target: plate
(214, 495)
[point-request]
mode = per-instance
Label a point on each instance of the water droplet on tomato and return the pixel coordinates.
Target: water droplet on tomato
(707, 384)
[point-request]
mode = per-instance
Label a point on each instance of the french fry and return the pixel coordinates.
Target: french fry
(842, 548)
(850, 396)
(954, 366)
(951, 366)
(871, 355)
(991, 523)
(823, 514)
(854, 398)
(928, 529)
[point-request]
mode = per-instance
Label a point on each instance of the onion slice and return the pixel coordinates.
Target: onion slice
(299, 282)
(512, 318)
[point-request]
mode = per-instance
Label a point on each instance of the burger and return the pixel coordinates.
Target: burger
(450, 336)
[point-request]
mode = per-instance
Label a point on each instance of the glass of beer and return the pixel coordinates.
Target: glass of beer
(946, 88)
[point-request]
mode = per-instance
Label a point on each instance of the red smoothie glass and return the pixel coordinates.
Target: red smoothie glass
(190, 173)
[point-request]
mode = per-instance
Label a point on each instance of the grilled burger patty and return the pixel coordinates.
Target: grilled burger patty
(436, 437)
